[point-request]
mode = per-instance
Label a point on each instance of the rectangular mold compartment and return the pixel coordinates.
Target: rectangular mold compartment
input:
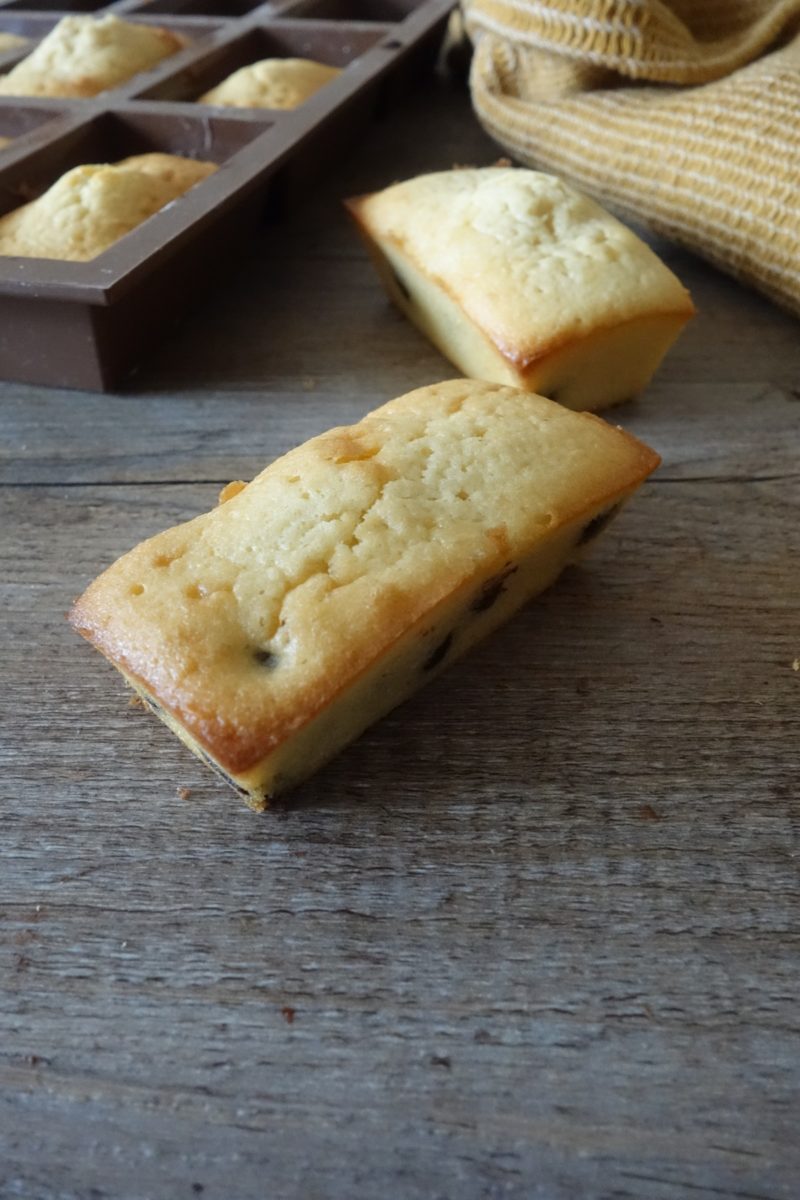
(87, 324)
(54, 9)
(25, 124)
(36, 25)
(119, 133)
(326, 42)
(30, 25)
(195, 8)
(11, 48)
(383, 11)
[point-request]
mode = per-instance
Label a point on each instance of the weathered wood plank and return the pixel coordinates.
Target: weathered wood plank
(725, 430)
(519, 909)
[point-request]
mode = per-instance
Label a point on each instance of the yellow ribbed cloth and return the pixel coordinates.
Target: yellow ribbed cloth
(681, 113)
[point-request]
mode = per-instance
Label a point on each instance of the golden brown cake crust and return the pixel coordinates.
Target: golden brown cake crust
(85, 55)
(91, 207)
(272, 83)
(245, 623)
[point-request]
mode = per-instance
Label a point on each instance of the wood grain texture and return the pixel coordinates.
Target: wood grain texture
(536, 934)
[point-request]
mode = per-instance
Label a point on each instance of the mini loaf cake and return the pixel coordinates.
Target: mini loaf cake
(519, 279)
(84, 55)
(270, 632)
(91, 207)
(272, 83)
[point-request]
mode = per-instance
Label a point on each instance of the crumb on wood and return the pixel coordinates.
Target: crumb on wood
(136, 701)
(288, 1014)
(796, 664)
(648, 813)
(183, 792)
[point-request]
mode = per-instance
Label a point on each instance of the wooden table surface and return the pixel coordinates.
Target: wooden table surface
(536, 934)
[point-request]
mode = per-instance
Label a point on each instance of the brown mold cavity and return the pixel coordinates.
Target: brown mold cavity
(355, 10)
(322, 43)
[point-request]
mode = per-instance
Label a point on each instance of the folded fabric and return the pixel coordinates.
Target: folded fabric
(684, 115)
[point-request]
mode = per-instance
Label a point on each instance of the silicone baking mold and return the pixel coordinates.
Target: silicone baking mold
(88, 324)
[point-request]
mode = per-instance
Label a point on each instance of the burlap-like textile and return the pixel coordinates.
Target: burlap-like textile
(681, 113)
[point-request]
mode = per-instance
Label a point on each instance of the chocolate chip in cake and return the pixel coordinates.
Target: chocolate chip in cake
(491, 591)
(404, 292)
(597, 525)
(438, 654)
(265, 658)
